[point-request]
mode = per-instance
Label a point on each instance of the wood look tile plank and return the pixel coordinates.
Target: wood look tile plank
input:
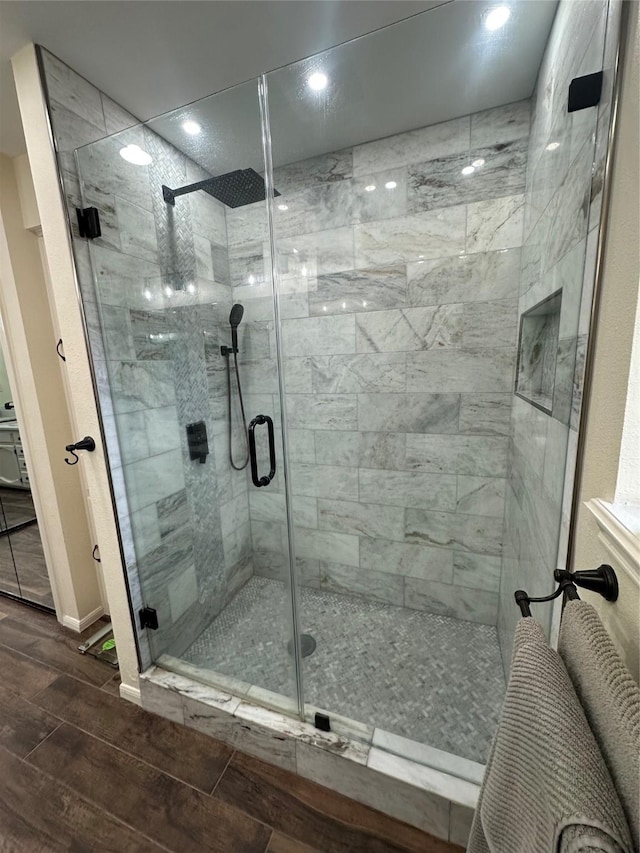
(281, 844)
(170, 812)
(24, 676)
(52, 646)
(184, 753)
(315, 815)
(39, 815)
(22, 725)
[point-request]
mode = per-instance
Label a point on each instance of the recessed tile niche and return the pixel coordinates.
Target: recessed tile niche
(538, 351)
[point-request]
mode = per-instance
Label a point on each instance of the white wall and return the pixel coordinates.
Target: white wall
(614, 337)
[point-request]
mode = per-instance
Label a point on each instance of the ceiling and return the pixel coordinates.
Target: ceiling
(421, 71)
(152, 56)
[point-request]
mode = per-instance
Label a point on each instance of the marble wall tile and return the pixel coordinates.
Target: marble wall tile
(461, 370)
(410, 413)
(381, 202)
(359, 290)
(409, 488)
(234, 514)
(417, 561)
(141, 385)
(479, 571)
(382, 450)
(146, 530)
(151, 479)
(433, 234)
(359, 374)
(322, 411)
(481, 496)
(301, 445)
(502, 124)
(431, 142)
(324, 481)
(327, 545)
(458, 602)
(319, 336)
(465, 278)
(409, 329)
(362, 519)
(323, 252)
(162, 429)
(440, 183)
(326, 168)
(480, 456)
(183, 593)
(490, 324)
(480, 534)
(374, 586)
(137, 230)
(429, 756)
(495, 224)
(485, 414)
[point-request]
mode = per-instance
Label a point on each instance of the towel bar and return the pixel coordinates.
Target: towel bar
(602, 580)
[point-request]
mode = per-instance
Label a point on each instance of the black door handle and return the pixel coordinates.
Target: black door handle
(257, 421)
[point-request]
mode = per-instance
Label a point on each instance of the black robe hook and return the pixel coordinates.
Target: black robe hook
(87, 443)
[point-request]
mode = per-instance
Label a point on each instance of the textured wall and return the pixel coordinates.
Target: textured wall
(561, 225)
(156, 294)
(399, 308)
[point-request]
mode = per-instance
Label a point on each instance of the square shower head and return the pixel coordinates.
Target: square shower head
(235, 189)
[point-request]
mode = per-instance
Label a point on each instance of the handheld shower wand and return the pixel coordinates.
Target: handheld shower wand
(235, 318)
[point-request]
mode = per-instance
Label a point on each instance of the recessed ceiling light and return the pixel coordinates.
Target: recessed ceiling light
(370, 188)
(497, 18)
(391, 185)
(468, 170)
(477, 163)
(134, 154)
(552, 146)
(318, 81)
(191, 127)
(283, 207)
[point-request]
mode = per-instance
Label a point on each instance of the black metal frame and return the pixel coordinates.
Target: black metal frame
(602, 580)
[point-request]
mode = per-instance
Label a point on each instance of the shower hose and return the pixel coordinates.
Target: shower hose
(244, 419)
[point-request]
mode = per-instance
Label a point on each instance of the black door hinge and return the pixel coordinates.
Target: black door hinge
(148, 618)
(88, 222)
(585, 91)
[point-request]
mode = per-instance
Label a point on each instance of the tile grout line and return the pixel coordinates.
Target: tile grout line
(219, 779)
(31, 751)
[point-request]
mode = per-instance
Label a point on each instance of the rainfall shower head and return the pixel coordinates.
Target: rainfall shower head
(235, 189)
(235, 318)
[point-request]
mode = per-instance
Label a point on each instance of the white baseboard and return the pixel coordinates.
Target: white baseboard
(131, 694)
(81, 625)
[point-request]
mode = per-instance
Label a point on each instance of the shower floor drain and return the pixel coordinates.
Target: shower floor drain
(307, 645)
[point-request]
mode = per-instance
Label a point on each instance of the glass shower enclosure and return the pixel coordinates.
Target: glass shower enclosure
(337, 398)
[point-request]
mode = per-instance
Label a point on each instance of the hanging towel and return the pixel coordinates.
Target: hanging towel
(546, 788)
(610, 698)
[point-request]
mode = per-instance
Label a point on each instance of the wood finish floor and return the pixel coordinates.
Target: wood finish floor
(83, 770)
(23, 571)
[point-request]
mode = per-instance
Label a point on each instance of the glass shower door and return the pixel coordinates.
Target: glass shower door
(181, 321)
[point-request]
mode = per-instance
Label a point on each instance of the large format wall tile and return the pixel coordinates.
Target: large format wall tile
(480, 534)
(433, 234)
(409, 329)
(480, 456)
(362, 519)
(408, 488)
(359, 290)
(410, 413)
(461, 370)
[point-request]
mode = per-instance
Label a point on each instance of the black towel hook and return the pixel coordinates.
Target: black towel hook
(87, 443)
(58, 348)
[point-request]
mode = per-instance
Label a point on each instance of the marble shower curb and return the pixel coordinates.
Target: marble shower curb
(348, 760)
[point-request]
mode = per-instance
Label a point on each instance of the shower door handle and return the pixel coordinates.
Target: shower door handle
(258, 421)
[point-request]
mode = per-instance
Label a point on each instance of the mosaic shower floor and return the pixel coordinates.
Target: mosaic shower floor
(433, 679)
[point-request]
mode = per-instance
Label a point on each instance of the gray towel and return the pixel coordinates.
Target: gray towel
(610, 698)
(547, 788)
